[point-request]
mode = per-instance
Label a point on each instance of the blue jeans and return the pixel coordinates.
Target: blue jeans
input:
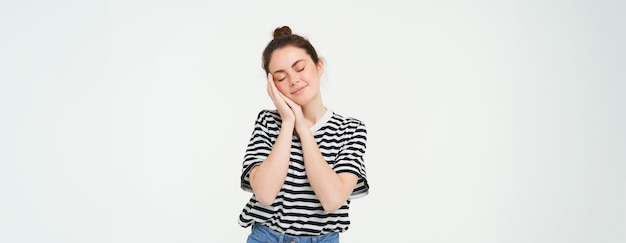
(263, 234)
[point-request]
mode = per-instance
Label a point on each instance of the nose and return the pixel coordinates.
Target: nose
(294, 80)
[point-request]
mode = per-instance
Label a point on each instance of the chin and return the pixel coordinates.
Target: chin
(301, 101)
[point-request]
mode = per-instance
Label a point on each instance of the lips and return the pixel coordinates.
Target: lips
(299, 90)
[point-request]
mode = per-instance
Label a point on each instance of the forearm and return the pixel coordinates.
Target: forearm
(268, 177)
(330, 188)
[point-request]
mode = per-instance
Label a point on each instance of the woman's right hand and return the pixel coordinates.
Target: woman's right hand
(286, 114)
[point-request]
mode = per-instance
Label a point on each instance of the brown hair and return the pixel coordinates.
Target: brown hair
(284, 37)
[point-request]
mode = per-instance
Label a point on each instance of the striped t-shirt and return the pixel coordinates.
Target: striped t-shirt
(296, 210)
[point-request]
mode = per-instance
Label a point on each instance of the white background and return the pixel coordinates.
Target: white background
(488, 121)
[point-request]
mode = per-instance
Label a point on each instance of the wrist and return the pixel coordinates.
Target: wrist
(303, 131)
(286, 126)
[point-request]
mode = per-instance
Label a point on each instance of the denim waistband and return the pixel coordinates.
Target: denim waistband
(262, 230)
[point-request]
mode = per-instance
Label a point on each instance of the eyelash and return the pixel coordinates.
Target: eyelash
(300, 70)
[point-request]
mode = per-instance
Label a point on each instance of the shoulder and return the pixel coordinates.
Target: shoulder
(347, 121)
(268, 115)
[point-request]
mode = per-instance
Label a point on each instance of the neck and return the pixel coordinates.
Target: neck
(314, 111)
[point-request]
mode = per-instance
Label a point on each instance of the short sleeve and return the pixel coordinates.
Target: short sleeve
(258, 149)
(351, 158)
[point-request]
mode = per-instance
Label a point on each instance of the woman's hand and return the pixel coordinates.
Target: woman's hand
(297, 112)
(286, 114)
(290, 112)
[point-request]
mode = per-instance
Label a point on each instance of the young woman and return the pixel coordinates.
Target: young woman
(304, 162)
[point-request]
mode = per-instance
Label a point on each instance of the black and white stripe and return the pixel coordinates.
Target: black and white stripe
(296, 210)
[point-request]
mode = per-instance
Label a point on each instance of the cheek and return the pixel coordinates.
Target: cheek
(310, 76)
(283, 87)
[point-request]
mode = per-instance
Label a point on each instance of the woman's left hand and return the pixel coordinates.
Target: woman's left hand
(297, 111)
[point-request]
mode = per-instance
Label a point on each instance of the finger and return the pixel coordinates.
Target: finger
(269, 85)
(277, 97)
(271, 82)
(287, 100)
(275, 90)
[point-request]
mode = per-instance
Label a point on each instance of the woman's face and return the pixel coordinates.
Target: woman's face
(295, 74)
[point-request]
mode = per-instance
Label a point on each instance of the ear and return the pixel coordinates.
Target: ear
(320, 67)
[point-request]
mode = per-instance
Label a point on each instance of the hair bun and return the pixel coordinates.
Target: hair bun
(282, 31)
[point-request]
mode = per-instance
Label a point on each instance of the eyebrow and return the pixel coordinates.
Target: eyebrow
(292, 65)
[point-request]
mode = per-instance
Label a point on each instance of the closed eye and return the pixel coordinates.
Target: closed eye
(279, 77)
